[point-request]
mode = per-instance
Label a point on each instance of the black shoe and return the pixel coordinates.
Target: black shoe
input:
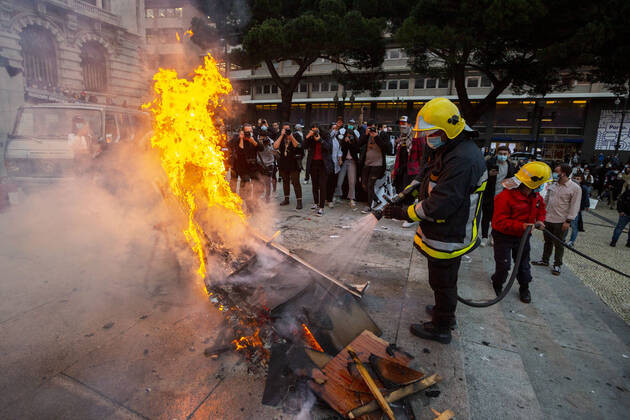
(429, 331)
(429, 310)
(581, 230)
(285, 202)
(299, 205)
(541, 263)
(526, 297)
(612, 243)
(498, 288)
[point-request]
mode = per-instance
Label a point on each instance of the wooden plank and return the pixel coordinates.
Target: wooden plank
(344, 391)
(372, 385)
(397, 395)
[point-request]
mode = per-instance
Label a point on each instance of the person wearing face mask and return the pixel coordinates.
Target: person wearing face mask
(348, 161)
(499, 168)
(516, 207)
(374, 147)
(450, 185)
(563, 204)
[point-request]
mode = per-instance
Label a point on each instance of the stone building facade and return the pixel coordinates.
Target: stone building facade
(71, 50)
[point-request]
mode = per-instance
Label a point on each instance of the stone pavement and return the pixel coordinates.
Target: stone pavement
(127, 340)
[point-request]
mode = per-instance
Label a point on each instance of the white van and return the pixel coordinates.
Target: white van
(51, 142)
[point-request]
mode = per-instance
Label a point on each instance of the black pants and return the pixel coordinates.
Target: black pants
(331, 185)
(369, 176)
(550, 244)
(506, 249)
(288, 178)
(486, 217)
(443, 281)
(320, 179)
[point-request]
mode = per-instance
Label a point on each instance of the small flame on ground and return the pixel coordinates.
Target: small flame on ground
(187, 134)
(177, 36)
(310, 339)
(246, 342)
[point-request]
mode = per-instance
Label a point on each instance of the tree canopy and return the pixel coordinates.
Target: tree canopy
(348, 33)
(532, 47)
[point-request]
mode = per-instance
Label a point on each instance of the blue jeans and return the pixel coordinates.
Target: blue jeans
(621, 224)
(575, 224)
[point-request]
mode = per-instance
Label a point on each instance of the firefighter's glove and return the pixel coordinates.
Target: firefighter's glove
(392, 211)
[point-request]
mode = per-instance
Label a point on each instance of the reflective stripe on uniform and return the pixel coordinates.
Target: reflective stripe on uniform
(411, 212)
(447, 250)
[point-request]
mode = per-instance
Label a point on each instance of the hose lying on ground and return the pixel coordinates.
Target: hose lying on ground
(517, 262)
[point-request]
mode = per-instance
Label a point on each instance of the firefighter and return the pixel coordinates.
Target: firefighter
(450, 184)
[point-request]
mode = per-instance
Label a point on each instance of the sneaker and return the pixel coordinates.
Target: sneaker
(331, 204)
(366, 210)
(429, 310)
(524, 294)
(613, 243)
(285, 202)
(314, 207)
(541, 263)
(491, 241)
(299, 205)
(555, 270)
(305, 181)
(429, 331)
(320, 212)
(407, 224)
(484, 242)
(353, 204)
(569, 243)
(498, 288)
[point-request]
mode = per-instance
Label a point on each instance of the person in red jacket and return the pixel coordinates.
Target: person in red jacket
(518, 206)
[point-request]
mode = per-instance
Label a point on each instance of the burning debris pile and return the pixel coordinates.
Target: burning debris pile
(305, 328)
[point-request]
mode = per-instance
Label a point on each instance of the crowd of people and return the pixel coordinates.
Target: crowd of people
(343, 161)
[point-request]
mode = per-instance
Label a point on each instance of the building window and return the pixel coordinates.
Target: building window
(302, 87)
(267, 89)
(392, 85)
(149, 14)
(473, 82)
(334, 87)
(94, 66)
(107, 4)
(324, 87)
(430, 83)
(314, 87)
(485, 82)
(162, 13)
(443, 83)
(274, 89)
(418, 84)
(243, 91)
(403, 84)
(40, 58)
(259, 90)
(394, 54)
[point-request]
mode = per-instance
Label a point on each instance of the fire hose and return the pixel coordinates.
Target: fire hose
(484, 304)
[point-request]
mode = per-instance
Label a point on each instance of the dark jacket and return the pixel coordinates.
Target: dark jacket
(623, 203)
(453, 179)
(289, 156)
(352, 146)
(309, 144)
(246, 159)
(381, 140)
(488, 195)
(586, 202)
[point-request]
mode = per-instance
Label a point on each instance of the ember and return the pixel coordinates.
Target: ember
(310, 340)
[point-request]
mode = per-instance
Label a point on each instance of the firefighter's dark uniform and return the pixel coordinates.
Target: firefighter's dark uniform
(453, 179)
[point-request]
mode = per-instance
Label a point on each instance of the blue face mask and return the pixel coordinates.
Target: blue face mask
(350, 127)
(434, 142)
(502, 158)
(263, 128)
(555, 176)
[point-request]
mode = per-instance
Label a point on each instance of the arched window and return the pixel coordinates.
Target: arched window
(94, 66)
(40, 58)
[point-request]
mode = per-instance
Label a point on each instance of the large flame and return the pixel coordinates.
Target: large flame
(187, 134)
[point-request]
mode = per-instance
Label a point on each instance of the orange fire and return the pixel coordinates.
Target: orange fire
(251, 341)
(310, 340)
(187, 134)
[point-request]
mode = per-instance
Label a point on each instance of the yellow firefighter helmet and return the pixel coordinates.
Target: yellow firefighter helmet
(534, 174)
(441, 114)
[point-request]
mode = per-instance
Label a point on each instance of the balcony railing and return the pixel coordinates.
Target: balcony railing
(88, 10)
